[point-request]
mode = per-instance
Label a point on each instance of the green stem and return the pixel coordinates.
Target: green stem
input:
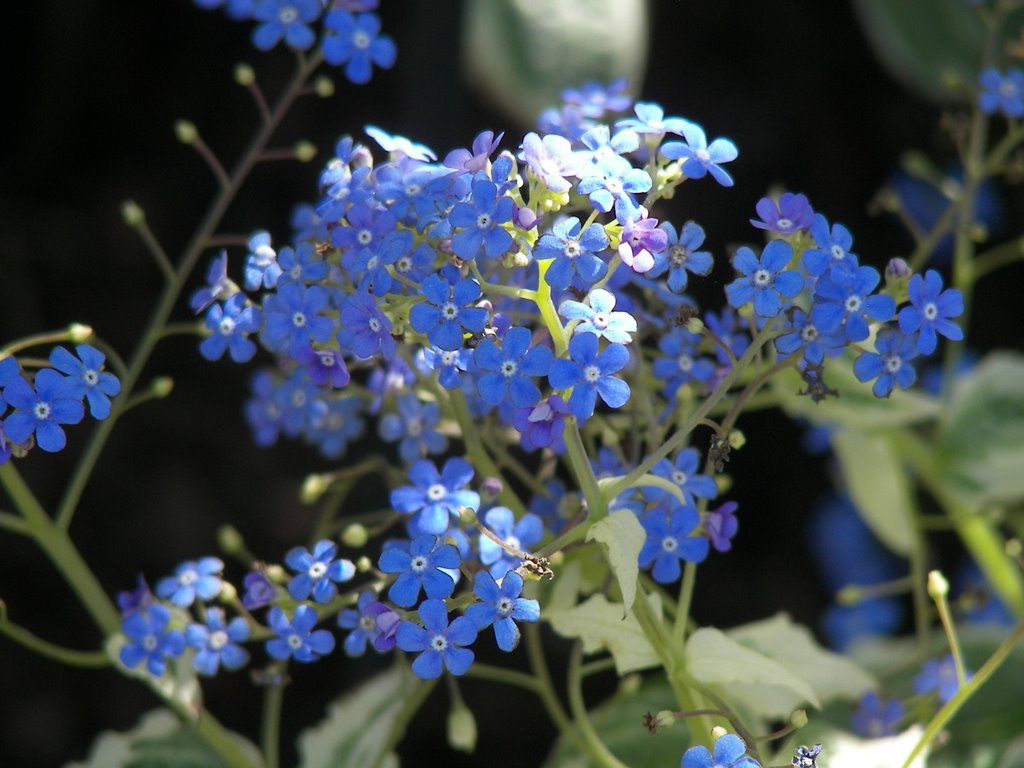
(169, 298)
(504, 676)
(545, 688)
(14, 524)
(596, 749)
(998, 257)
(683, 605)
(413, 700)
(69, 656)
(270, 729)
(951, 707)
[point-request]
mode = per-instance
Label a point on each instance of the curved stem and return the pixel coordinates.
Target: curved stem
(169, 298)
(594, 747)
(69, 656)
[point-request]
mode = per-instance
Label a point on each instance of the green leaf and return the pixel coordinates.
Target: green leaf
(831, 675)
(878, 486)
(622, 536)
(982, 439)
(762, 685)
(357, 724)
(848, 751)
(619, 721)
(522, 55)
(855, 406)
(159, 740)
(927, 43)
(602, 627)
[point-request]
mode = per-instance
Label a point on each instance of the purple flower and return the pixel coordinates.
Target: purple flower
(590, 374)
(699, 158)
(765, 280)
(363, 621)
(440, 644)
(42, 410)
(218, 285)
(551, 159)
(721, 525)
(641, 240)
(791, 214)
(542, 425)
(931, 310)
(325, 367)
(475, 159)
(259, 590)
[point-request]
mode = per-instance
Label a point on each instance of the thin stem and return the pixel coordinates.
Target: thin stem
(36, 340)
(69, 656)
(998, 257)
(14, 524)
(595, 748)
(596, 667)
(505, 676)
(545, 688)
(156, 250)
(683, 605)
(212, 162)
(413, 700)
(169, 298)
(270, 731)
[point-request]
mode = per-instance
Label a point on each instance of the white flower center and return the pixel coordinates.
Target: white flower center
(317, 570)
(669, 544)
(299, 319)
(784, 223)
(436, 492)
(218, 639)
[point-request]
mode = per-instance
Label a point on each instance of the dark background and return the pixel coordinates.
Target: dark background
(93, 89)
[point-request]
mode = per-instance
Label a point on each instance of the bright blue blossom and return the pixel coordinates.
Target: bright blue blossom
(317, 572)
(650, 120)
(149, 639)
(730, 752)
(287, 19)
(261, 267)
(440, 644)
(501, 606)
(832, 246)
(939, 676)
(684, 472)
(766, 282)
(355, 41)
(876, 717)
(520, 535)
(420, 567)
(325, 367)
(365, 329)
(414, 425)
(41, 410)
(229, 323)
(361, 240)
(804, 335)
(611, 184)
(931, 311)
(681, 256)
(479, 222)
(191, 580)
(573, 253)
(699, 158)
(889, 363)
(590, 374)
(302, 265)
(791, 213)
(669, 541)
(436, 497)
(294, 319)
(87, 377)
(843, 297)
(449, 364)
(296, 639)
(506, 371)
(448, 312)
(1002, 93)
(217, 642)
(599, 318)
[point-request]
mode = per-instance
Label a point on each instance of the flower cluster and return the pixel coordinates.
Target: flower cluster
(35, 405)
(350, 35)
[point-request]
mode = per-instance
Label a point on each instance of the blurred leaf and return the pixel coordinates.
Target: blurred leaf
(982, 439)
(158, 741)
(763, 686)
(602, 627)
(878, 486)
(357, 724)
(622, 537)
(523, 53)
(926, 43)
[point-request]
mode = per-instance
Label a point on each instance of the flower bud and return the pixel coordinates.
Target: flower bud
(244, 75)
(798, 719)
(305, 151)
(132, 213)
(313, 488)
(461, 728)
(186, 131)
(355, 536)
(718, 732)
(364, 564)
(737, 440)
(230, 540)
(77, 333)
(323, 86)
(467, 516)
(161, 386)
(665, 718)
(695, 325)
(938, 587)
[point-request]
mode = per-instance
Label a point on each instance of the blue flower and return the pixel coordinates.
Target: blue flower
(875, 717)
(365, 329)
(448, 311)
(843, 297)
(293, 318)
(765, 281)
(501, 606)
(479, 222)
(804, 335)
(730, 751)
(682, 362)
(590, 374)
(259, 590)
(86, 374)
(356, 42)
(305, 265)
(288, 19)
(931, 310)
(229, 323)
(190, 580)
(218, 285)
(150, 639)
(610, 183)
(364, 620)
(542, 425)
(506, 371)
(598, 318)
(550, 159)
(939, 676)
(261, 267)
(218, 642)
(414, 425)
(420, 568)
(440, 644)
(436, 497)
(684, 473)
(699, 158)
(889, 363)
(681, 256)
(650, 120)
(832, 247)
(42, 410)
(791, 213)
(317, 572)
(573, 253)
(520, 535)
(594, 98)
(1002, 93)
(296, 639)
(324, 367)
(449, 364)
(669, 541)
